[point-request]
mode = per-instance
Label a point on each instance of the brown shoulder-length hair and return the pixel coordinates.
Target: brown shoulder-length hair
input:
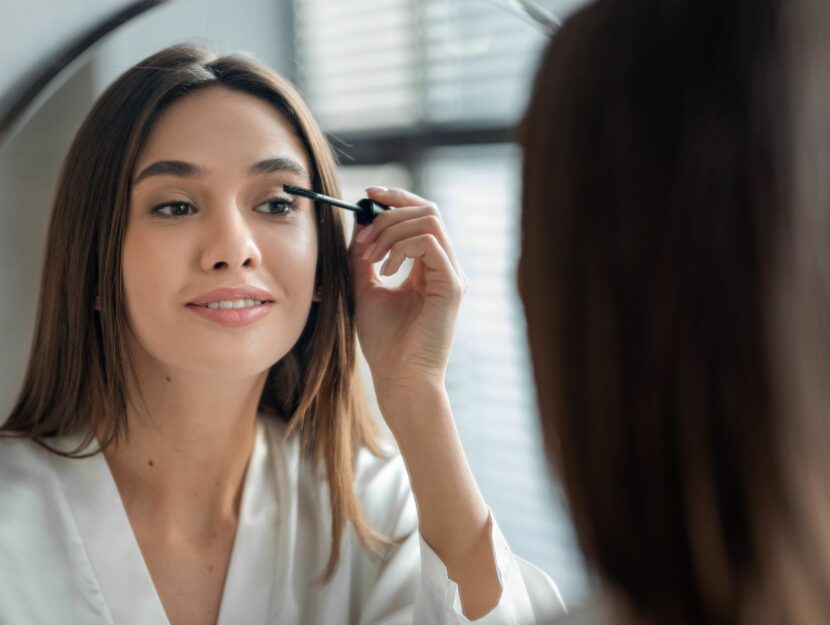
(657, 198)
(79, 370)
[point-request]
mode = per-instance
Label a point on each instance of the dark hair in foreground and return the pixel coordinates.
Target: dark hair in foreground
(675, 248)
(80, 372)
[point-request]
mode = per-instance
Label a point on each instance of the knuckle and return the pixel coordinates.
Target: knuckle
(395, 248)
(382, 240)
(430, 240)
(458, 289)
(432, 208)
(434, 223)
(386, 238)
(381, 220)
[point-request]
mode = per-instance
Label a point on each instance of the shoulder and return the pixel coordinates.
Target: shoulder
(382, 485)
(30, 498)
(384, 471)
(22, 462)
(30, 478)
(45, 575)
(380, 481)
(33, 477)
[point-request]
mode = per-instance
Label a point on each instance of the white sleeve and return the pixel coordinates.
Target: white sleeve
(528, 595)
(411, 586)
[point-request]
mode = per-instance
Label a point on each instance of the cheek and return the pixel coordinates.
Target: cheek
(151, 263)
(292, 259)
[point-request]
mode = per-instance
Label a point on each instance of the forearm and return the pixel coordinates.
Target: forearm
(453, 517)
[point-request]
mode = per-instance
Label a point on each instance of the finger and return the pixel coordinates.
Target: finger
(397, 197)
(388, 218)
(356, 229)
(399, 224)
(439, 272)
(388, 236)
(362, 271)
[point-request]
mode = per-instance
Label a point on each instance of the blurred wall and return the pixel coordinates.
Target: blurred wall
(29, 166)
(260, 27)
(34, 32)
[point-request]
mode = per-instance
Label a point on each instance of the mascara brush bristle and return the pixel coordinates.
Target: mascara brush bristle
(311, 195)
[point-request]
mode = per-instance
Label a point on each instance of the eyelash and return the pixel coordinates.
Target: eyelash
(289, 208)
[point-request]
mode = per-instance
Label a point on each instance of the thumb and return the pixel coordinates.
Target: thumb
(362, 271)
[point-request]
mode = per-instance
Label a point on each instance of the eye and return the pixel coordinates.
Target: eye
(277, 206)
(174, 209)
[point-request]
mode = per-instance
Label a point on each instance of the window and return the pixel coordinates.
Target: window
(425, 95)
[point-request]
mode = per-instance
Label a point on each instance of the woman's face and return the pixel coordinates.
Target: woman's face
(207, 212)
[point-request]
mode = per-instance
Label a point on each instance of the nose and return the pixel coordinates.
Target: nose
(229, 243)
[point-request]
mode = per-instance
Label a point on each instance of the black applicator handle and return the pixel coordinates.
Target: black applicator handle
(369, 209)
(365, 210)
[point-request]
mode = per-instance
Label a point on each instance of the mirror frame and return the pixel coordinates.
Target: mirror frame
(33, 90)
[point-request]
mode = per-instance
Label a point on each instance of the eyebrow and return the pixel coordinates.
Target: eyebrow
(280, 163)
(183, 169)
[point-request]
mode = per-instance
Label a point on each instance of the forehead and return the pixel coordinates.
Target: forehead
(221, 129)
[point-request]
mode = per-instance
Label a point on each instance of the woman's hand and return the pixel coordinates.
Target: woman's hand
(405, 331)
(406, 335)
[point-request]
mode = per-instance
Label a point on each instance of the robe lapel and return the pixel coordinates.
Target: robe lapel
(116, 558)
(109, 539)
(247, 596)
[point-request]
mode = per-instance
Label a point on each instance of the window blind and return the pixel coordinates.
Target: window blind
(368, 64)
(357, 62)
(374, 66)
(489, 378)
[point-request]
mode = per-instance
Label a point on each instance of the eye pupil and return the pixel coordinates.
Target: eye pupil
(179, 208)
(276, 207)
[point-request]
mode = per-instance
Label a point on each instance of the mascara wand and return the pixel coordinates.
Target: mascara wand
(365, 210)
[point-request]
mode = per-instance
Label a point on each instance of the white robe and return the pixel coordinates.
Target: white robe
(68, 555)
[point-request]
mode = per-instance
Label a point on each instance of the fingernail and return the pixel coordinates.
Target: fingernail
(376, 189)
(369, 251)
(364, 234)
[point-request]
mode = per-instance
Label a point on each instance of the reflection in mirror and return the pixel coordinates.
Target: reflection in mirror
(424, 95)
(30, 159)
(453, 90)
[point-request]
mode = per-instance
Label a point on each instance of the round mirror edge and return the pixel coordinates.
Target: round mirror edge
(63, 65)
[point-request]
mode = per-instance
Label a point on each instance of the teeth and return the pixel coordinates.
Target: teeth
(237, 303)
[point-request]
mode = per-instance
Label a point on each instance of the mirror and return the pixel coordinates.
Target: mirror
(425, 96)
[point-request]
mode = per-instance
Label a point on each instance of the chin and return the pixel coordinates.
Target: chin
(226, 365)
(224, 358)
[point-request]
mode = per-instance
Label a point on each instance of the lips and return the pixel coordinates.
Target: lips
(233, 293)
(257, 304)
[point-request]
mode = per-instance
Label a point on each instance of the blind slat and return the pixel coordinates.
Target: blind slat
(450, 54)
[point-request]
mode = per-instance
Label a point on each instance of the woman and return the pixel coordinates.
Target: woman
(673, 273)
(197, 326)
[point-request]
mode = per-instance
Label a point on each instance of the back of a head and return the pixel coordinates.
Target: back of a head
(661, 204)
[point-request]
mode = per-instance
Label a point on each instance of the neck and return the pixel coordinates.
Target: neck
(182, 467)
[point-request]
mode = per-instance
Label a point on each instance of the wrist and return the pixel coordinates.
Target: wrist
(410, 404)
(398, 392)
